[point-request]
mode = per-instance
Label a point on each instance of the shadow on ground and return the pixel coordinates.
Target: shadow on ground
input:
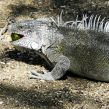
(51, 99)
(30, 57)
(21, 10)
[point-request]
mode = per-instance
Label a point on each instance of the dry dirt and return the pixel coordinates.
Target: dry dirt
(17, 91)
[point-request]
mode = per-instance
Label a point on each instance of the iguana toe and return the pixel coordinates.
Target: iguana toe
(44, 76)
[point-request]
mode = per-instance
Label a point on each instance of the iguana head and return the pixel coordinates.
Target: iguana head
(27, 27)
(33, 34)
(25, 33)
(23, 27)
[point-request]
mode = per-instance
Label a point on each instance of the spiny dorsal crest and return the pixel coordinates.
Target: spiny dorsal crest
(93, 22)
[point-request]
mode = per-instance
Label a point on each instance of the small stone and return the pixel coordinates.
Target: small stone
(2, 63)
(1, 102)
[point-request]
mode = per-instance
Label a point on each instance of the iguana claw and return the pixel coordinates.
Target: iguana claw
(44, 76)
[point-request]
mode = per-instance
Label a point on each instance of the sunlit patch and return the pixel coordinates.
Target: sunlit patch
(35, 45)
(15, 36)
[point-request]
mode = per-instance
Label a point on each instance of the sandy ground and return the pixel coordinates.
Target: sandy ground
(17, 91)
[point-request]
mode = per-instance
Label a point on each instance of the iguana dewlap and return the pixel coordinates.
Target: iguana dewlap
(84, 52)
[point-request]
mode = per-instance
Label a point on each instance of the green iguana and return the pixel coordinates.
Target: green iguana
(80, 46)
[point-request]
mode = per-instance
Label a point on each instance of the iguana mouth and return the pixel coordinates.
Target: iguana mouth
(15, 36)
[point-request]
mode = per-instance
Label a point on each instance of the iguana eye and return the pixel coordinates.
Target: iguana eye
(20, 27)
(29, 31)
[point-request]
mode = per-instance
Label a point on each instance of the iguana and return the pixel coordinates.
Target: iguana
(80, 46)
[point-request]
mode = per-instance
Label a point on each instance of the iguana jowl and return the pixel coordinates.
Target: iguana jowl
(84, 50)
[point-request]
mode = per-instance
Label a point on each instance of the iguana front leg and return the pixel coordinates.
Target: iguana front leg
(57, 72)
